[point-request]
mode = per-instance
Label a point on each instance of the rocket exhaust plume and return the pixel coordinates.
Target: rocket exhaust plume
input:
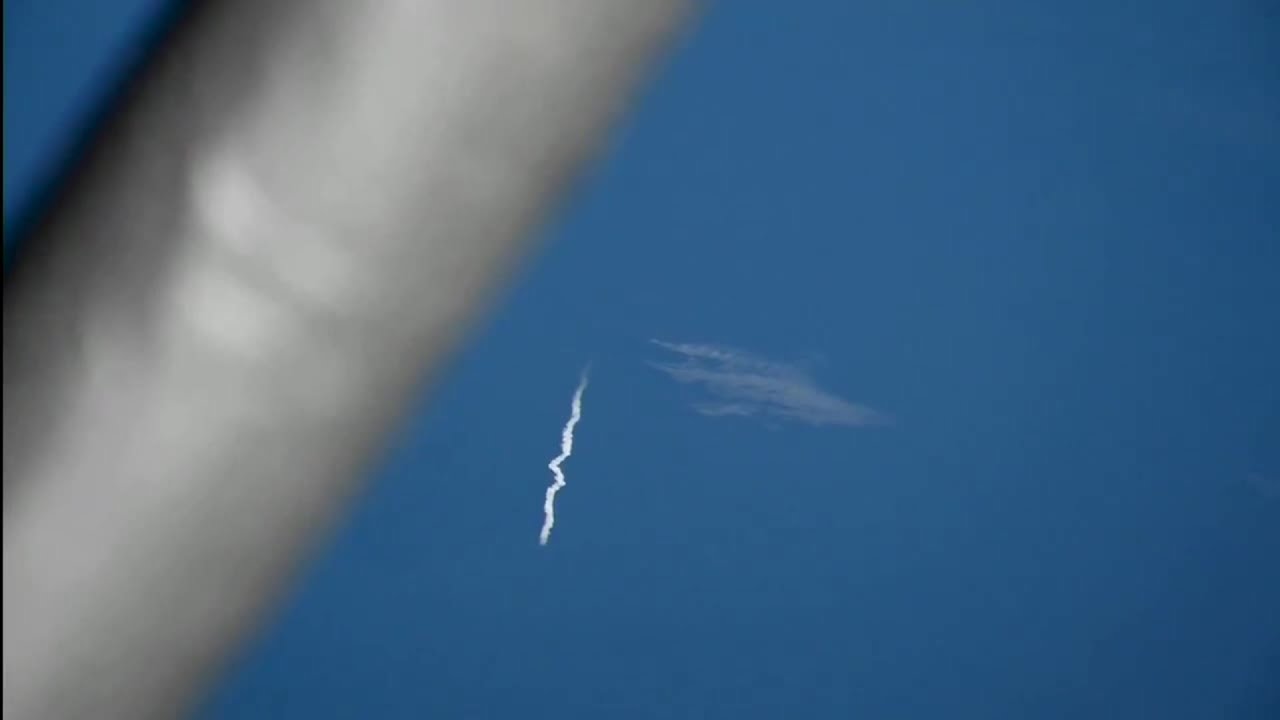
(566, 449)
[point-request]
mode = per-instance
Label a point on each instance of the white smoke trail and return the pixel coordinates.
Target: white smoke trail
(566, 449)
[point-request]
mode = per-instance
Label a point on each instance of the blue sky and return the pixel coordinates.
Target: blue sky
(1039, 241)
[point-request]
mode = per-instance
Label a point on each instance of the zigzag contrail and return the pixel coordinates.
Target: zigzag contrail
(566, 449)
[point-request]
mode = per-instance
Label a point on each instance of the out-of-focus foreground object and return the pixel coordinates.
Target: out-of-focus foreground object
(288, 225)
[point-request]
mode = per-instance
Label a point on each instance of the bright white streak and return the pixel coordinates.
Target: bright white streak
(566, 449)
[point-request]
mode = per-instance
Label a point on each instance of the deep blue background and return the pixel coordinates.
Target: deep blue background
(1045, 237)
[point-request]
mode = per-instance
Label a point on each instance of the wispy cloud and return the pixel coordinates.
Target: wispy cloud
(1268, 487)
(742, 384)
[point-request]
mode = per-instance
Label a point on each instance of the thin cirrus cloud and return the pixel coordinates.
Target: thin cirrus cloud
(744, 385)
(1268, 487)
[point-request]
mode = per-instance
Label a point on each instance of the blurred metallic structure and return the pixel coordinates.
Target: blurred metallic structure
(297, 211)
